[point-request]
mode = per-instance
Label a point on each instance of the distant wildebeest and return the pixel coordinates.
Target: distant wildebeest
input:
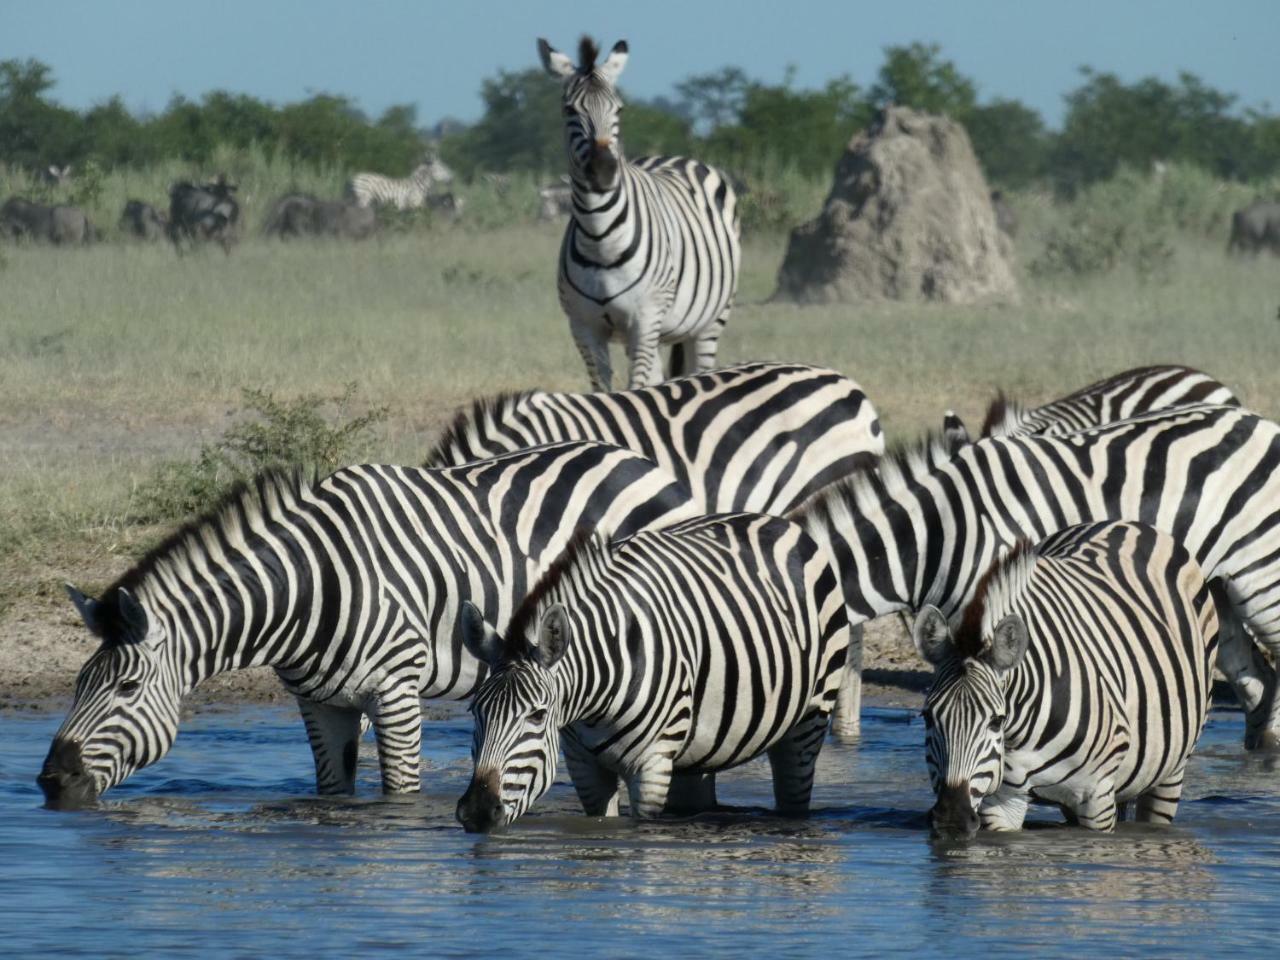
(141, 220)
(1006, 219)
(375, 190)
(23, 220)
(555, 200)
(56, 176)
(205, 212)
(1256, 228)
(303, 215)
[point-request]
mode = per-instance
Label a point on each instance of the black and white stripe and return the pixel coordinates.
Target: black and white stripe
(760, 437)
(689, 649)
(651, 254)
(407, 193)
(924, 527)
(1127, 394)
(1079, 675)
(349, 587)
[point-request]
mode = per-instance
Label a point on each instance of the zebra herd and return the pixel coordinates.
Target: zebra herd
(670, 580)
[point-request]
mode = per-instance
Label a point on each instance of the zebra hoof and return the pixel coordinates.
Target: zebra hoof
(846, 732)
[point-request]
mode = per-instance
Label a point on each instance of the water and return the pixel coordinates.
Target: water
(219, 850)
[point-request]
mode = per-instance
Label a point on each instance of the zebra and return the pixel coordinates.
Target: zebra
(1079, 674)
(685, 650)
(760, 437)
(1124, 395)
(410, 193)
(651, 253)
(349, 587)
(923, 527)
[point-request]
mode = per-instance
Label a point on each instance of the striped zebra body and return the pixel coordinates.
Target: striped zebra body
(651, 254)
(925, 526)
(407, 193)
(349, 588)
(1080, 675)
(685, 650)
(760, 437)
(1125, 395)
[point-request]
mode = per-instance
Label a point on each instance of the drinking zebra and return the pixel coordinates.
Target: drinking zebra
(925, 526)
(651, 252)
(349, 587)
(761, 437)
(689, 649)
(1119, 397)
(409, 193)
(1079, 674)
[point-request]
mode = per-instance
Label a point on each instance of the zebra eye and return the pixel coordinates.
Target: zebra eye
(538, 717)
(997, 724)
(129, 687)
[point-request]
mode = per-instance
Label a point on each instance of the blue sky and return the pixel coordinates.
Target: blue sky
(434, 55)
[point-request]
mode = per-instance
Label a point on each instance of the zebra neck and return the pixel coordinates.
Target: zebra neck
(604, 229)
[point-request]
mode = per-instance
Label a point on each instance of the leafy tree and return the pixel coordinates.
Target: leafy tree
(1010, 140)
(917, 76)
(33, 131)
(714, 100)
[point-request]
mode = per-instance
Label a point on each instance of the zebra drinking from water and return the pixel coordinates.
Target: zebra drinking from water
(1080, 674)
(349, 587)
(651, 254)
(409, 193)
(690, 649)
(761, 437)
(1127, 394)
(924, 526)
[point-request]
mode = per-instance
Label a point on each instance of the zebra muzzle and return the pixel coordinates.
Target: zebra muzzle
(480, 810)
(953, 816)
(63, 780)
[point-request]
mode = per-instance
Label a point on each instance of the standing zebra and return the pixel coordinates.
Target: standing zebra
(410, 193)
(925, 526)
(651, 253)
(761, 437)
(690, 649)
(1119, 397)
(1079, 674)
(349, 587)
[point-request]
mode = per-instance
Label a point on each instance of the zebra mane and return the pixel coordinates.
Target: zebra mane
(996, 593)
(587, 53)
(466, 423)
(525, 619)
(1004, 415)
(901, 465)
(246, 502)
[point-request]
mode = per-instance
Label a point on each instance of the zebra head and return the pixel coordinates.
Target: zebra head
(964, 715)
(431, 170)
(592, 110)
(517, 733)
(125, 712)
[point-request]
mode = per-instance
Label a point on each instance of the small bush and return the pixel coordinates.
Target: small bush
(280, 434)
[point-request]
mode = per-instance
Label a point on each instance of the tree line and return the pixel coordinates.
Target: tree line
(725, 117)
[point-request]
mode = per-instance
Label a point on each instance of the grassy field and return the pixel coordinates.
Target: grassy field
(116, 357)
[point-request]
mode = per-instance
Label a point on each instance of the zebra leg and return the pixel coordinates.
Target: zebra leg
(642, 351)
(1250, 676)
(1004, 811)
(334, 733)
(597, 786)
(1159, 804)
(1097, 809)
(397, 723)
(692, 793)
(792, 760)
(846, 721)
(593, 344)
(706, 345)
(647, 786)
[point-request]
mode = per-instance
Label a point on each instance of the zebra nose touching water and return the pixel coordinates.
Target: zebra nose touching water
(1080, 675)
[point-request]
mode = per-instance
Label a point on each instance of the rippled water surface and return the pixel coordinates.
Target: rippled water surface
(220, 850)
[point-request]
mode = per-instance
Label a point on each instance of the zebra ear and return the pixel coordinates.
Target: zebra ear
(954, 432)
(90, 610)
(132, 612)
(553, 61)
(932, 636)
(1008, 643)
(613, 64)
(480, 639)
(553, 636)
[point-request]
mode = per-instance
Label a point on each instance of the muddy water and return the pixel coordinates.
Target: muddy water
(219, 850)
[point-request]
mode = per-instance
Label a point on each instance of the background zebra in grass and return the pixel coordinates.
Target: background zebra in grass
(1127, 394)
(409, 193)
(761, 437)
(349, 587)
(923, 527)
(1079, 674)
(651, 254)
(693, 648)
